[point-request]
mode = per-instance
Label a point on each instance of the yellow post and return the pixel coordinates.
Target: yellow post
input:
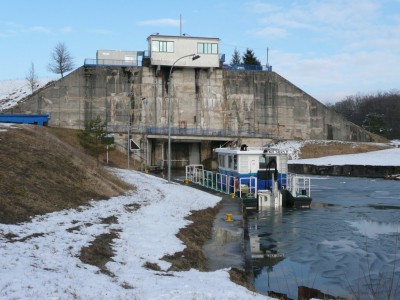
(233, 195)
(228, 217)
(147, 171)
(186, 181)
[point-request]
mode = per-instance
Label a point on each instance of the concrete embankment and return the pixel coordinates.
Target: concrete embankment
(345, 170)
(227, 245)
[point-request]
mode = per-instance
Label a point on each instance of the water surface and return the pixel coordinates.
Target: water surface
(346, 244)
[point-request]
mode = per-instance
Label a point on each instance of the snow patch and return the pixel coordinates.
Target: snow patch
(13, 91)
(40, 259)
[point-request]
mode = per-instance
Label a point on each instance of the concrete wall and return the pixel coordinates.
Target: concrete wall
(262, 104)
(84, 94)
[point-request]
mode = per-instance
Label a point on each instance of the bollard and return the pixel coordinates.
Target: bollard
(147, 171)
(228, 217)
(186, 181)
(233, 195)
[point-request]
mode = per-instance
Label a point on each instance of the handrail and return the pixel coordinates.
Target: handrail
(112, 62)
(151, 130)
(245, 67)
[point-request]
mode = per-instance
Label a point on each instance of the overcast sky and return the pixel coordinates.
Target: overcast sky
(328, 48)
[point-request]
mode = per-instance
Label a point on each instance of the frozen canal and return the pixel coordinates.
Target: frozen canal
(346, 244)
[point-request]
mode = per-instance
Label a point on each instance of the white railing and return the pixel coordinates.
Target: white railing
(245, 186)
(194, 173)
(216, 181)
(298, 184)
(250, 189)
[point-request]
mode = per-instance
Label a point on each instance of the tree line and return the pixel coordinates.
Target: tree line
(248, 58)
(378, 113)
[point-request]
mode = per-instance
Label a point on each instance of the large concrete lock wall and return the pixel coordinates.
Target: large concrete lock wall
(244, 105)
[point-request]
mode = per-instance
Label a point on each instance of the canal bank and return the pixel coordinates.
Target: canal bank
(374, 164)
(229, 245)
(368, 171)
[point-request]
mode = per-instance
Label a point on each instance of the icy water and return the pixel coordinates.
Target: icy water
(346, 244)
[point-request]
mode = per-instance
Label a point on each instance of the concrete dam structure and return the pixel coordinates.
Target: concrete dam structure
(209, 107)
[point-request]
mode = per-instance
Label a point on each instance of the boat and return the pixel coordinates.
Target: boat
(259, 176)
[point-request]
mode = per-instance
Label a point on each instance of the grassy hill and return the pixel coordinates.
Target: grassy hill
(44, 170)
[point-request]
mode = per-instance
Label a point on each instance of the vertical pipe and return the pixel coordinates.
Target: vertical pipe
(129, 125)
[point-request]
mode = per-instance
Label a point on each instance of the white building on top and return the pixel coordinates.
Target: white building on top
(165, 50)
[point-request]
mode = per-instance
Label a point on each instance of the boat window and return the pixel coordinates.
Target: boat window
(271, 161)
(262, 162)
(221, 161)
(230, 162)
(235, 162)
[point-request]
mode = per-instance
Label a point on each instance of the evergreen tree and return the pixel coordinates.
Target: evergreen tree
(250, 59)
(236, 59)
(375, 123)
(94, 138)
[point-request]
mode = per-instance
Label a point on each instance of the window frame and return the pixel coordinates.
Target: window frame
(162, 46)
(207, 48)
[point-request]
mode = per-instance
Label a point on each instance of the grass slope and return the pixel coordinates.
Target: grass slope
(41, 173)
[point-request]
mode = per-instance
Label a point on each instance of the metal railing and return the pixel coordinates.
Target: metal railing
(244, 67)
(112, 62)
(216, 181)
(206, 132)
(298, 185)
(151, 130)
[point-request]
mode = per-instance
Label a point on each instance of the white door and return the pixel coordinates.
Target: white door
(253, 165)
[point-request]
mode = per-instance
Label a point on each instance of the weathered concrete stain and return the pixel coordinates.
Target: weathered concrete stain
(259, 105)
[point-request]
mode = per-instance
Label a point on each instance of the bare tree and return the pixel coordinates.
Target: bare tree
(32, 78)
(61, 60)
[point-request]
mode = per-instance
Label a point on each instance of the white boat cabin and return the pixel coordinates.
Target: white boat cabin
(245, 161)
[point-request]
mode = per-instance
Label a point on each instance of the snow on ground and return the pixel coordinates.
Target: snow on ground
(388, 157)
(5, 126)
(13, 91)
(41, 261)
(395, 143)
(292, 147)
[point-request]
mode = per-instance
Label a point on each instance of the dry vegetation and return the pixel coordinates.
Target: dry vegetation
(42, 173)
(338, 148)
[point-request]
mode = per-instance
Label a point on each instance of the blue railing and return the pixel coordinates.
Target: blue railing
(138, 63)
(153, 130)
(112, 62)
(206, 132)
(243, 67)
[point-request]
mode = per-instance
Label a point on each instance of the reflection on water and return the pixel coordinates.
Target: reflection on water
(348, 239)
(373, 229)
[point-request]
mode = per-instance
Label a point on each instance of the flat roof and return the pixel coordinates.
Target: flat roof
(251, 150)
(182, 37)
